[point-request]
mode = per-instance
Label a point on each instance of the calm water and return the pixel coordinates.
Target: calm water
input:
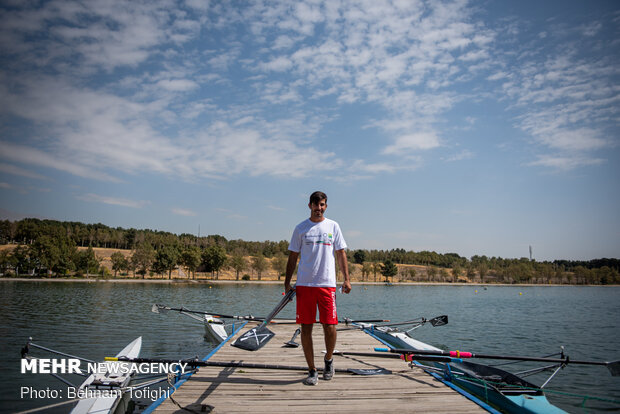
(94, 320)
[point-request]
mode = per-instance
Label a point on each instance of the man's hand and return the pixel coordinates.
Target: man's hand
(346, 286)
(290, 269)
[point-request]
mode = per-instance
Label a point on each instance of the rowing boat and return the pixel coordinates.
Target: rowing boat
(500, 389)
(215, 329)
(105, 390)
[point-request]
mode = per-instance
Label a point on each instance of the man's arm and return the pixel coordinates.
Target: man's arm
(290, 269)
(341, 256)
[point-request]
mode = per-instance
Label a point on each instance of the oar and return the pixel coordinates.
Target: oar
(396, 356)
(292, 343)
(163, 309)
(348, 321)
(436, 321)
(232, 364)
(156, 308)
(256, 338)
(613, 366)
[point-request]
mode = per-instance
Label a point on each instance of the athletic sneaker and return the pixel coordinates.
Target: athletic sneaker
(313, 378)
(328, 372)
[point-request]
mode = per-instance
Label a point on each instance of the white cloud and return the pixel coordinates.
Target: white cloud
(580, 139)
(567, 105)
(591, 29)
(183, 212)
(565, 163)
(12, 169)
(463, 155)
(413, 142)
(276, 208)
(33, 156)
(201, 100)
(123, 202)
(177, 85)
(279, 64)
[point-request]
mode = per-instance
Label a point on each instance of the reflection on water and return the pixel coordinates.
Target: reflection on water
(95, 320)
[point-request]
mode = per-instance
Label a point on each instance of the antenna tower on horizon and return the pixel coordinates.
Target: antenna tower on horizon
(530, 252)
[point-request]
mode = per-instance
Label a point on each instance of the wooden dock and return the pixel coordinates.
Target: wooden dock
(241, 390)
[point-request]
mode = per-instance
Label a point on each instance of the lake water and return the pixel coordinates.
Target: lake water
(94, 320)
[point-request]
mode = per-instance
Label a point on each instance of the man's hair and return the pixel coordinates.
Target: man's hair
(317, 196)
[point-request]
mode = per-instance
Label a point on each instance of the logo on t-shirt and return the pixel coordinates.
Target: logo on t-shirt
(324, 239)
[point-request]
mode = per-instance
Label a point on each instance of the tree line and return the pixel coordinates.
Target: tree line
(51, 246)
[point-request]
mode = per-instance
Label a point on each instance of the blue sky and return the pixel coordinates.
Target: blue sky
(474, 128)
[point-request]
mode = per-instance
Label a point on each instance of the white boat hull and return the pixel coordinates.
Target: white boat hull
(215, 331)
(104, 391)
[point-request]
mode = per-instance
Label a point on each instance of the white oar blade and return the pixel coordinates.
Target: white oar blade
(254, 339)
(159, 308)
(369, 371)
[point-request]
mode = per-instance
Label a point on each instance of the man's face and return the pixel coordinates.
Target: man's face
(317, 210)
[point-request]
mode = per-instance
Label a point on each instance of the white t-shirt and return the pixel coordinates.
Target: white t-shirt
(316, 243)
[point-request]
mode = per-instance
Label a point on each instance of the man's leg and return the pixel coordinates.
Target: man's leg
(306, 343)
(330, 339)
(329, 332)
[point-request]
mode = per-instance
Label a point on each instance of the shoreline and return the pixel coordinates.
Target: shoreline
(270, 282)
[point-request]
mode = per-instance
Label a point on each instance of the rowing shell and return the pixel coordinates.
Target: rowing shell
(501, 389)
(215, 331)
(107, 388)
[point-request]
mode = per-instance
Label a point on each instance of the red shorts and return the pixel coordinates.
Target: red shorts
(309, 297)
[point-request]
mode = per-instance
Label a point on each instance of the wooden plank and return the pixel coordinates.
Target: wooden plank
(232, 390)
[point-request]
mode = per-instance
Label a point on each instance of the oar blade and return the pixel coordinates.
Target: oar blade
(369, 371)
(254, 339)
(614, 368)
(158, 308)
(292, 343)
(439, 320)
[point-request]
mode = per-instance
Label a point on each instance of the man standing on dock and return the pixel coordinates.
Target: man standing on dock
(314, 242)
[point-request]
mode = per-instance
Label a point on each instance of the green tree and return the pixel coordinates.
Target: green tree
(457, 270)
(376, 267)
(444, 275)
(190, 259)
(359, 256)
(23, 261)
(6, 262)
(86, 261)
(119, 262)
(55, 254)
(412, 273)
(6, 232)
(167, 258)
(279, 264)
(366, 270)
(238, 263)
(259, 264)
(143, 258)
(213, 258)
(388, 269)
(431, 271)
(483, 270)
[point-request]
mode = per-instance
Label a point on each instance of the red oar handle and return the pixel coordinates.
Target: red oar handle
(459, 354)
